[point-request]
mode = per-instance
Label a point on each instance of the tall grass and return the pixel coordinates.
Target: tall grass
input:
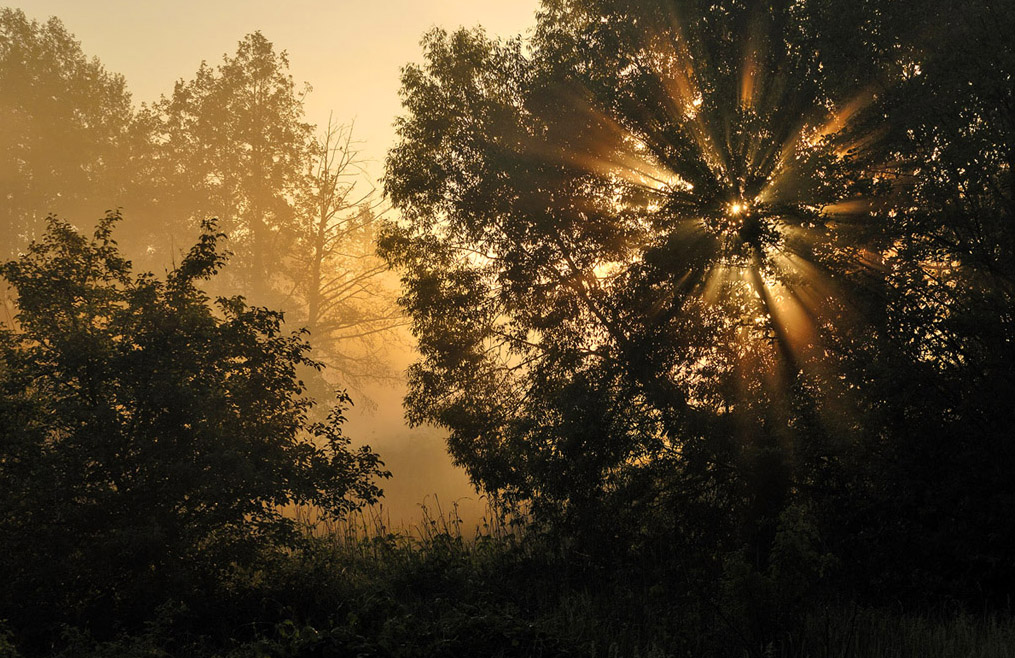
(881, 633)
(482, 571)
(501, 588)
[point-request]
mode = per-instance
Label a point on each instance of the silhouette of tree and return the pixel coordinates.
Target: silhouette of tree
(679, 258)
(150, 441)
(64, 120)
(597, 235)
(345, 296)
(232, 143)
(933, 482)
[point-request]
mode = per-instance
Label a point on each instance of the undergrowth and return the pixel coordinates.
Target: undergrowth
(361, 588)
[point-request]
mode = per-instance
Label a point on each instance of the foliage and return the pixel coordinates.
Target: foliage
(434, 592)
(150, 442)
(679, 266)
(232, 143)
(65, 120)
(941, 485)
(721, 292)
(581, 305)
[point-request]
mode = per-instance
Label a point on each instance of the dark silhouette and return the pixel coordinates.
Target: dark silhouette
(713, 299)
(150, 440)
(693, 271)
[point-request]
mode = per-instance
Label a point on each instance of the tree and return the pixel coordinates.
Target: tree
(150, 442)
(661, 257)
(937, 483)
(339, 282)
(597, 235)
(65, 124)
(233, 143)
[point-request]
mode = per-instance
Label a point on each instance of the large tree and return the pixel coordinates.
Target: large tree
(150, 440)
(941, 487)
(233, 143)
(64, 125)
(600, 233)
(674, 254)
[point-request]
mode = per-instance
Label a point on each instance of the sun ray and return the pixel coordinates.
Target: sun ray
(728, 185)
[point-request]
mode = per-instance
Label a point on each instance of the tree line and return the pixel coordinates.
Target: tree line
(231, 143)
(713, 298)
(709, 274)
(160, 434)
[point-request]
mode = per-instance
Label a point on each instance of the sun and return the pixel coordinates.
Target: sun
(744, 195)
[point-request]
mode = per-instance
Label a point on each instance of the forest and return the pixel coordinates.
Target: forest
(712, 300)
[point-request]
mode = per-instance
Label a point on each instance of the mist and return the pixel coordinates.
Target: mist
(340, 79)
(606, 328)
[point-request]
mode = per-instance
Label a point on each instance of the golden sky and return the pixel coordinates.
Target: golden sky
(349, 51)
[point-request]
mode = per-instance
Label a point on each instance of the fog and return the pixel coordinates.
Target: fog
(344, 60)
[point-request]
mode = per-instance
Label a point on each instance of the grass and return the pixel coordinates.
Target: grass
(879, 633)
(361, 588)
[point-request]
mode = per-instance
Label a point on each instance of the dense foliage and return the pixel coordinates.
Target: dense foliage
(703, 273)
(436, 593)
(150, 442)
(714, 299)
(232, 143)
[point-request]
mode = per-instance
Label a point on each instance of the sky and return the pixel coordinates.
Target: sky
(351, 53)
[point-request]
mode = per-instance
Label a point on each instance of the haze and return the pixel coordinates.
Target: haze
(351, 54)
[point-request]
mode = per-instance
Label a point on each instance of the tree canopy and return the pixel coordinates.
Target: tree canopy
(65, 121)
(234, 143)
(150, 441)
(681, 254)
(231, 143)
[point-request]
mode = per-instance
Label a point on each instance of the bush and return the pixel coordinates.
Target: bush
(149, 440)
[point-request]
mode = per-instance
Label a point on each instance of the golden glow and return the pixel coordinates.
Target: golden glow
(352, 54)
(753, 201)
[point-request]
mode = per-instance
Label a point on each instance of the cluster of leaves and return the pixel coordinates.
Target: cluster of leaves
(232, 143)
(676, 267)
(150, 441)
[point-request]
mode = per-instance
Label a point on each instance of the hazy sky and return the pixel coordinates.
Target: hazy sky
(349, 51)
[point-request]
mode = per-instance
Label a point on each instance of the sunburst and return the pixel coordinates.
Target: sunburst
(751, 191)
